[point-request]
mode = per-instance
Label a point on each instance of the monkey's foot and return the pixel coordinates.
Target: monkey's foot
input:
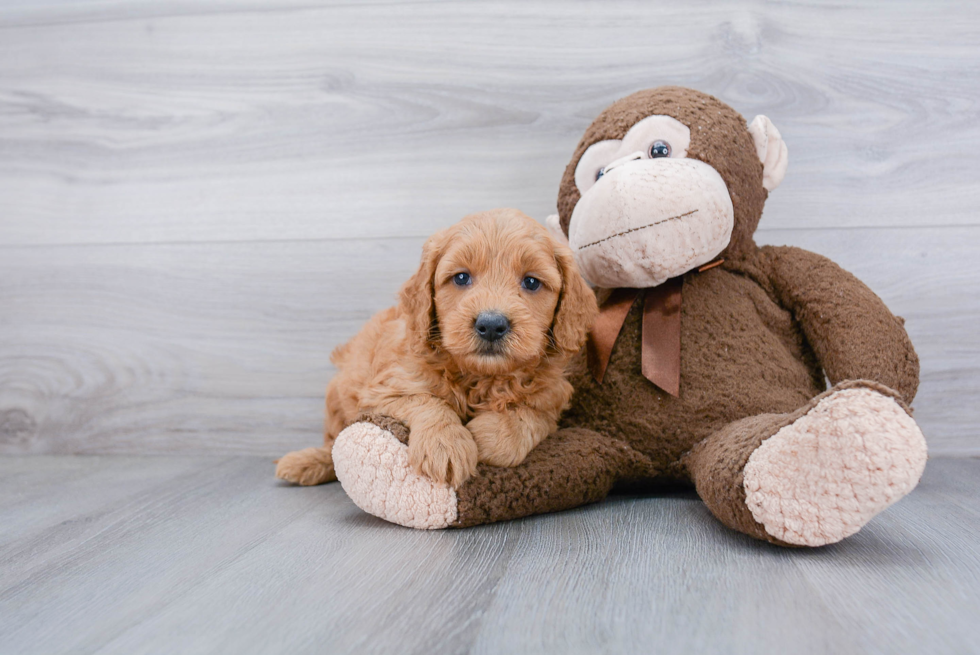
(822, 477)
(372, 466)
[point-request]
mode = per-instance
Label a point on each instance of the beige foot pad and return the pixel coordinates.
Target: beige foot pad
(372, 465)
(822, 477)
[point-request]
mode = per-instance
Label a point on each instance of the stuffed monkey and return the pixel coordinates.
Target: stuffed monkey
(709, 362)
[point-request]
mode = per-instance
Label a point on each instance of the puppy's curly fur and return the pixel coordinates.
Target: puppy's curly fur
(464, 398)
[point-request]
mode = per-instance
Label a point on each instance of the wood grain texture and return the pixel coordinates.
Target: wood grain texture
(174, 121)
(199, 200)
(193, 555)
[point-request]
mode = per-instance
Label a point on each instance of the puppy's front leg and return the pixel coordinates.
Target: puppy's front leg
(505, 438)
(438, 444)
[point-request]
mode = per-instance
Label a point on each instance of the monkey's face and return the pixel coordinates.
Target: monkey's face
(647, 213)
(663, 181)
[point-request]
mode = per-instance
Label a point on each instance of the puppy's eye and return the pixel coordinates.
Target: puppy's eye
(462, 279)
(659, 149)
(531, 283)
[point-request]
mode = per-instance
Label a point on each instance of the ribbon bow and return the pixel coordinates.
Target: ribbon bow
(660, 352)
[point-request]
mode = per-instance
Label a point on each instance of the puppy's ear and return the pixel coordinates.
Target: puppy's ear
(417, 296)
(577, 308)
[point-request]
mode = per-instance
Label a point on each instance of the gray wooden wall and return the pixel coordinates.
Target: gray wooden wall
(198, 200)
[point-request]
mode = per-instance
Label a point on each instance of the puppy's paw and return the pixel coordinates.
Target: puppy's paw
(306, 467)
(447, 454)
(498, 441)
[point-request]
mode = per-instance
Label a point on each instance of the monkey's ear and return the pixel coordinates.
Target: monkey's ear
(771, 150)
(554, 227)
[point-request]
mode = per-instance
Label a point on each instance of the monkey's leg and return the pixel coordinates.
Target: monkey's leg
(815, 476)
(570, 468)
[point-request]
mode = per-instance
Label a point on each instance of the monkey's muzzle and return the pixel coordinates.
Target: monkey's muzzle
(648, 220)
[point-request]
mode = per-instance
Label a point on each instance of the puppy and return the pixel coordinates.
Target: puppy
(473, 357)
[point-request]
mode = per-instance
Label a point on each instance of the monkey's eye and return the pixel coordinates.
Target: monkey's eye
(531, 283)
(659, 149)
(462, 279)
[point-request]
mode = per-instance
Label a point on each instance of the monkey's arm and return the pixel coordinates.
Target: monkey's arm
(850, 329)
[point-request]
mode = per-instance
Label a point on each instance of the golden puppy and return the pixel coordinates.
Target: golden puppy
(473, 357)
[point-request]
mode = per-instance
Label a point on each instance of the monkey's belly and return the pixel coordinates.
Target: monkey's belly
(741, 355)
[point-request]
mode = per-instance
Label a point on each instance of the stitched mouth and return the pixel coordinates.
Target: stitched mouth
(637, 229)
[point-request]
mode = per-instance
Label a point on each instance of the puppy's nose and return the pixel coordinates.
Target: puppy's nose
(491, 326)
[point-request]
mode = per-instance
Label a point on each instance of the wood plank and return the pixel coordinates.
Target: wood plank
(634, 572)
(50, 504)
(224, 348)
(178, 121)
(913, 541)
(213, 555)
(136, 554)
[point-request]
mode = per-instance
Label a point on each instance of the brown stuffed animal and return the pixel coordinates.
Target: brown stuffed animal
(708, 362)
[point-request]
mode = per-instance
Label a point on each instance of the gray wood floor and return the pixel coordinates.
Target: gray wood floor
(199, 200)
(197, 555)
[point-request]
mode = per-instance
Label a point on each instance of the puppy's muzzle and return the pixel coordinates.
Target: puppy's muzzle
(491, 326)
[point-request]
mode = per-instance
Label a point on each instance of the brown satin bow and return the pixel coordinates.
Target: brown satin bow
(661, 348)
